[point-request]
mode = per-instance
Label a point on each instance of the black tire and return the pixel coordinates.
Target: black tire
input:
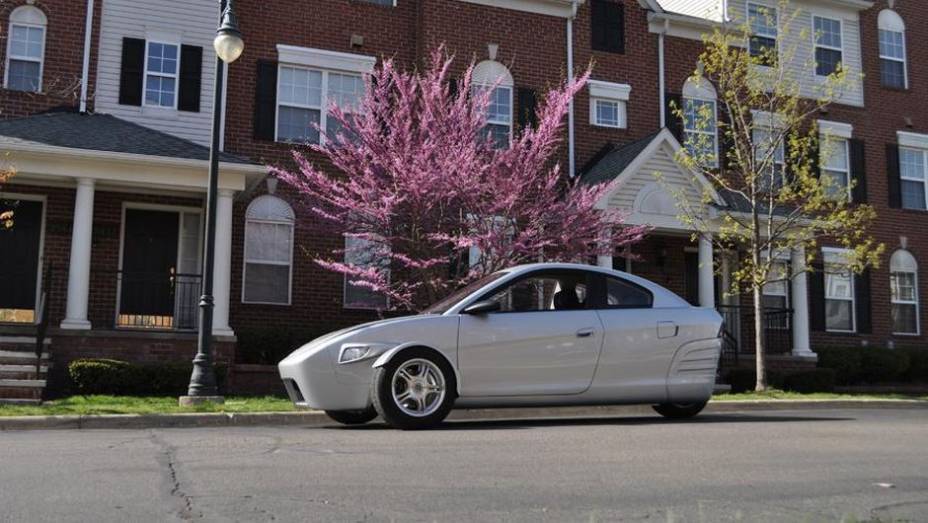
(383, 397)
(352, 417)
(680, 410)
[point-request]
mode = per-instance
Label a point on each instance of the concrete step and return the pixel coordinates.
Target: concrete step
(17, 392)
(21, 358)
(21, 375)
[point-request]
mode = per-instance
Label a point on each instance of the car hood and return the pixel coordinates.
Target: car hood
(369, 329)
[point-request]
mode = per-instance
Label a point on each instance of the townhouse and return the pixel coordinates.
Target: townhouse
(111, 173)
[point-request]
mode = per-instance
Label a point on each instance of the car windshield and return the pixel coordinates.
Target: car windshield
(442, 306)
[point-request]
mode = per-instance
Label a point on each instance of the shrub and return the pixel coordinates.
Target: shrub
(883, 365)
(846, 362)
(267, 346)
(744, 380)
(103, 376)
(918, 365)
(816, 380)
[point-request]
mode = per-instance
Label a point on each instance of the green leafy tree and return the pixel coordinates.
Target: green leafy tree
(768, 162)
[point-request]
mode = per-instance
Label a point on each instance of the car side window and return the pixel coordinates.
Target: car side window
(543, 292)
(621, 294)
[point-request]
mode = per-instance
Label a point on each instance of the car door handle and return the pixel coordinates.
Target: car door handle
(585, 333)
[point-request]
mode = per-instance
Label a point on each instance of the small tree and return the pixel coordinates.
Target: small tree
(428, 202)
(781, 201)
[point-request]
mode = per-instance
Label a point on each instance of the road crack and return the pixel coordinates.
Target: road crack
(167, 458)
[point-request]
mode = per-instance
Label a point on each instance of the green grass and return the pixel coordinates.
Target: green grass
(783, 395)
(85, 405)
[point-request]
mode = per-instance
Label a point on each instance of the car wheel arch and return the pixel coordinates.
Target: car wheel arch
(386, 357)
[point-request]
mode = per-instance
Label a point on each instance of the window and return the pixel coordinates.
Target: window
(546, 291)
(836, 167)
(903, 280)
(608, 104)
(775, 295)
(839, 292)
(608, 113)
(913, 177)
(25, 52)
(892, 50)
(302, 94)
(700, 117)
(607, 26)
(364, 254)
(621, 294)
(769, 156)
(828, 48)
(763, 43)
(268, 251)
(387, 3)
(495, 77)
(161, 65)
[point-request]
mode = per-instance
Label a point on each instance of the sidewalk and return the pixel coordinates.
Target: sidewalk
(319, 419)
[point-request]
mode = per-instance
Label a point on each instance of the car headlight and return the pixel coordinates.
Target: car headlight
(353, 353)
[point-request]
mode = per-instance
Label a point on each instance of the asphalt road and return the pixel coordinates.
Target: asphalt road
(809, 466)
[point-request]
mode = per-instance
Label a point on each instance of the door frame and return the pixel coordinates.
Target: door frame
(179, 209)
(41, 263)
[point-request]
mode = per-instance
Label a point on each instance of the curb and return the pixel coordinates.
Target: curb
(319, 419)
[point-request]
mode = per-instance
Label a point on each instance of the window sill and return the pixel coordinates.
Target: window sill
(847, 334)
(903, 90)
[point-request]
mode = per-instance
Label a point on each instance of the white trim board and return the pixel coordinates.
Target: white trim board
(323, 59)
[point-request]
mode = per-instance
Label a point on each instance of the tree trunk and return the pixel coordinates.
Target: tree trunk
(759, 348)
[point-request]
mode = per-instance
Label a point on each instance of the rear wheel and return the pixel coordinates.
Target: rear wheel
(352, 417)
(414, 390)
(680, 410)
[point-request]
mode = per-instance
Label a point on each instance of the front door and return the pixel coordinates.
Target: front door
(19, 261)
(542, 341)
(149, 262)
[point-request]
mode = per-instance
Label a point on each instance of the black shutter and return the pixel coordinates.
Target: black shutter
(862, 299)
(266, 100)
(191, 72)
(858, 170)
(528, 101)
(817, 297)
(815, 162)
(673, 102)
(607, 26)
(893, 173)
(453, 88)
(131, 71)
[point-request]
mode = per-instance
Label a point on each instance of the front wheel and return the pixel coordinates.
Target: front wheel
(414, 390)
(680, 410)
(352, 417)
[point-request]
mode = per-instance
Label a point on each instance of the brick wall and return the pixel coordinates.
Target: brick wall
(64, 55)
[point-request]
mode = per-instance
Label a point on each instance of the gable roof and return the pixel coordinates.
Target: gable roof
(713, 10)
(102, 132)
(613, 162)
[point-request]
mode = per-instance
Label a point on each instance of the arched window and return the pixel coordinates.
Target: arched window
(892, 50)
(492, 74)
(700, 118)
(268, 251)
(25, 52)
(903, 275)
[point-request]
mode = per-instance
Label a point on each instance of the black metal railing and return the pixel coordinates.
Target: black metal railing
(166, 301)
(41, 327)
(738, 331)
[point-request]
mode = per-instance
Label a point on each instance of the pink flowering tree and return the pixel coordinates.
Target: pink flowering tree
(428, 202)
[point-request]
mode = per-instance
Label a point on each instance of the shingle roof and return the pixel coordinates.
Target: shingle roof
(614, 162)
(102, 132)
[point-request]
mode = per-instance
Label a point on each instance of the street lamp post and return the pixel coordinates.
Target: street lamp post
(229, 46)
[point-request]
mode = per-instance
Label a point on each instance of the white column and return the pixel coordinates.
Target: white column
(800, 297)
(706, 271)
(79, 267)
(604, 261)
(222, 271)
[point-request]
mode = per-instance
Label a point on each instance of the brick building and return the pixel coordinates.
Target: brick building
(109, 186)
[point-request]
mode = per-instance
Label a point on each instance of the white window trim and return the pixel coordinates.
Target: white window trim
(826, 136)
(853, 299)
(715, 133)
(355, 306)
(511, 103)
(621, 113)
(923, 180)
(816, 44)
(903, 60)
(246, 261)
(10, 56)
(323, 59)
(776, 21)
(323, 86)
(175, 76)
(619, 94)
(894, 301)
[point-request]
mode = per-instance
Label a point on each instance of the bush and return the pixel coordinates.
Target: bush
(103, 376)
(846, 362)
(744, 380)
(918, 365)
(269, 346)
(817, 380)
(883, 365)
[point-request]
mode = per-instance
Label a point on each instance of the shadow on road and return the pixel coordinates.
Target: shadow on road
(509, 424)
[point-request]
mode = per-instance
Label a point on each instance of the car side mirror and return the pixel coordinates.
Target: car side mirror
(482, 307)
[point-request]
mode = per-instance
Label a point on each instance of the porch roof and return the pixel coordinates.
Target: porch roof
(102, 132)
(612, 160)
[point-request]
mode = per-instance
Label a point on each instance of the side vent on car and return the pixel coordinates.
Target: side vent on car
(293, 390)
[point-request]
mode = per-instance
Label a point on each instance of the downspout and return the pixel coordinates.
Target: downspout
(660, 74)
(571, 162)
(85, 73)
